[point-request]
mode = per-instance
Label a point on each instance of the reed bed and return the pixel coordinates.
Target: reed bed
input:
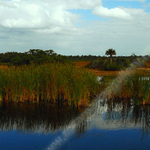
(135, 86)
(54, 82)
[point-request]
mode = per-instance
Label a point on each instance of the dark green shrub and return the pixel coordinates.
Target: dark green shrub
(112, 67)
(96, 64)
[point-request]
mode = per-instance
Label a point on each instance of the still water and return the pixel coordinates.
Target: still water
(113, 125)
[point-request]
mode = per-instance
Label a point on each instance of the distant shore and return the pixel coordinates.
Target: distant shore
(109, 73)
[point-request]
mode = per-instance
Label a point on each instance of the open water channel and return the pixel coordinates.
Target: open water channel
(113, 125)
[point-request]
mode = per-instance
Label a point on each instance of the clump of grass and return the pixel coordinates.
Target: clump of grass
(135, 86)
(53, 82)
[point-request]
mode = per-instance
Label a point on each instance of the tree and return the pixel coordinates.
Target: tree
(110, 52)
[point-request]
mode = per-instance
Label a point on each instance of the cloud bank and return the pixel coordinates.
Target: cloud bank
(49, 24)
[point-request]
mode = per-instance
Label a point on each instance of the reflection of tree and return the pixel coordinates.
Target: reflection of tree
(123, 113)
(80, 129)
(33, 117)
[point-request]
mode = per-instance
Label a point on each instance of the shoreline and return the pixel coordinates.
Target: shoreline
(99, 72)
(115, 73)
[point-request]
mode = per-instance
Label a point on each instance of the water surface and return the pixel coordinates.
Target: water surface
(113, 125)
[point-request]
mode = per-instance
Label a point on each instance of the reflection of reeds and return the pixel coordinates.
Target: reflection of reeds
(126, 114)
(48, 82)
(36, 117)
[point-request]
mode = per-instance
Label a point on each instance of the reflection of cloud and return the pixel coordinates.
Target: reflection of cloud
(114, 119)
(113, 125)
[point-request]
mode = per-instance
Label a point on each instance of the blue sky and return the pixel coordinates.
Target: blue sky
(87, 13)
(76, 27)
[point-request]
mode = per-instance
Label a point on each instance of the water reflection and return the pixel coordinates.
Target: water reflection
(46, 118)
(122, 113)
(43, 117)
(35, 117)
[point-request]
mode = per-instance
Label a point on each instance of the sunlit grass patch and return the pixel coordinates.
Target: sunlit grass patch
(135, 85)
(53, 82)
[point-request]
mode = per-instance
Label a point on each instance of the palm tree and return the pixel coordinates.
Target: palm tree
(110, 52)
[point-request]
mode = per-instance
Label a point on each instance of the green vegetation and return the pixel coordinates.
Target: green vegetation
(52, 82)
(136, 85)
(113, 67)
(110, 52)
(104, 64)
(39, 75)
(36, 56)
(118, 63)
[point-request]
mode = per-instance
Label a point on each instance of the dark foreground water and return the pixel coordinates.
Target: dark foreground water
(115, 125)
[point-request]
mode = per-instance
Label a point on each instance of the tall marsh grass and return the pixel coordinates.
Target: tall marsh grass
(48, 82)
(135, 86)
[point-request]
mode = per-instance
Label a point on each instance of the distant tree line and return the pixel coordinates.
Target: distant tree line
(39, 56)
(111, 63)
(36, 56)
(96, 57)
(117, 62)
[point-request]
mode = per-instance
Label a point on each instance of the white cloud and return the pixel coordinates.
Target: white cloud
(83, 4)
(26, 14)
(59, 30)
(46, 24)
(114, 12)
(42, 14)
(133, 11)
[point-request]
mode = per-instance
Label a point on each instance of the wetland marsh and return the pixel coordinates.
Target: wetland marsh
(61, 107)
